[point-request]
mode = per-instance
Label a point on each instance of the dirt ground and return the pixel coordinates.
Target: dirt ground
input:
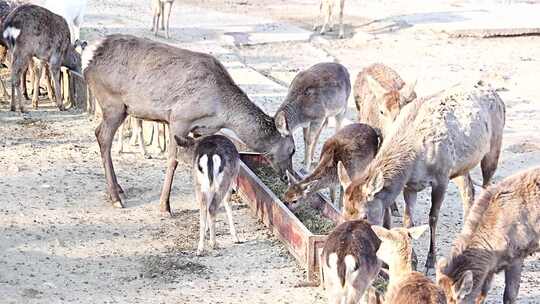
(62, 242)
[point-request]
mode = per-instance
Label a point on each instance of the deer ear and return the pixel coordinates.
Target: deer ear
(408, 91)
(466, 285)
(281, 123)
(416, 232)
(307, 186)
(375, 87)
(184, 142)
(375, 183)
(381, 232)
(344, 178)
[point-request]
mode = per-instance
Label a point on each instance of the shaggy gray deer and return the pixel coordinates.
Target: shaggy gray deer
(327, 11)
(432, 141)
(201, 98)
(354, 145)
(379, 94)
(501, 230)
(405, 286)
(33, 31)
(162, 11)
(216, 164)
(349, 262)
(314, 95)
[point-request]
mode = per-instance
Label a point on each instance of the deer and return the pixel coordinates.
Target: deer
(202, 98)
(158, 137)
(216, 163)
(33, 31)
(314, 95)
(72, 11)
(379, 95)
(434, 140)
(162, 11)
(354, 145)
(349, 262)
(501, 230)
(327, 11)
(405, 285)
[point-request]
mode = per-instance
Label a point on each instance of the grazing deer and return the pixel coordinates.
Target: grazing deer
(379, 94)
(327, 11)
(202, 98)
(33, 31)
(314, 95)
(72, 11)
(349, 262)
(405, 285)
(432, 141)
(161, 10)
(354, 145)
(216, 164)
(501, 230)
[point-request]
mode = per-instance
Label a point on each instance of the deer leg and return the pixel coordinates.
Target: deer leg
(315, 129)
(175, 129)
(326, 13)
(36, 78)
(212, 228)
(341, 28)
(55, 71)
(120, 140)
(437, 197)
(319, 17)
(410, 200)
(228, 210)
(162, 11)
(512, 278)
(4, 90)
(18, 67)
(486, 286)
(48, 82)
(24, 87)
(167, 13)
(387, 219)
(203, 221)
(139, 130)
(112, 119)
(466, 189)
(490, 161)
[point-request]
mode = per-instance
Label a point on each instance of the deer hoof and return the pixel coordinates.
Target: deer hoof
(118, 204)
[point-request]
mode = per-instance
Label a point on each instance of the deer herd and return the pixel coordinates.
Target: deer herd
(402, 143)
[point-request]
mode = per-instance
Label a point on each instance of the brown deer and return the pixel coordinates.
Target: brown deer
(405, 286)
(33, 31)
(216, 164)
(162, 11)
(501, 230)
(379, 94)
(349, 262)
(202, 98)
(314, 96)
(354, 145)
(432, 141)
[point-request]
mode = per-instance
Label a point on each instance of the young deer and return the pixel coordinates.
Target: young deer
(327, 11)
(314, 95)
(379, 94)
(33, 31)
(405, 285)
(349, 262)
(191, 92)
(161, 10)
(432, 141)
(354, 145)
(502, 229)
(216, 164)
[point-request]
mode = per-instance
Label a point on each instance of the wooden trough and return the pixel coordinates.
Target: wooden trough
(304, 245)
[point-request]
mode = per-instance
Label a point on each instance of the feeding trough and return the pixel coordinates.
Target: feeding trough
(302, 243)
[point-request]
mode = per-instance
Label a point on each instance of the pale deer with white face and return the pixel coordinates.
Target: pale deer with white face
(501, 230)
(432, 141)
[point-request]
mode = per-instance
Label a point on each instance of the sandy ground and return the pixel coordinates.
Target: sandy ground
(61, 242)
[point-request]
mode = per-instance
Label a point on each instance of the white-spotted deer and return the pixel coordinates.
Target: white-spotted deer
(314, 96)
(202, 98)
(405, 286)
(432, 141)
(349, 262)
(501, 230)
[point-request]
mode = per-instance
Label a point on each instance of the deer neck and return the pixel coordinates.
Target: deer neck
(398, 270)
(295, 117)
